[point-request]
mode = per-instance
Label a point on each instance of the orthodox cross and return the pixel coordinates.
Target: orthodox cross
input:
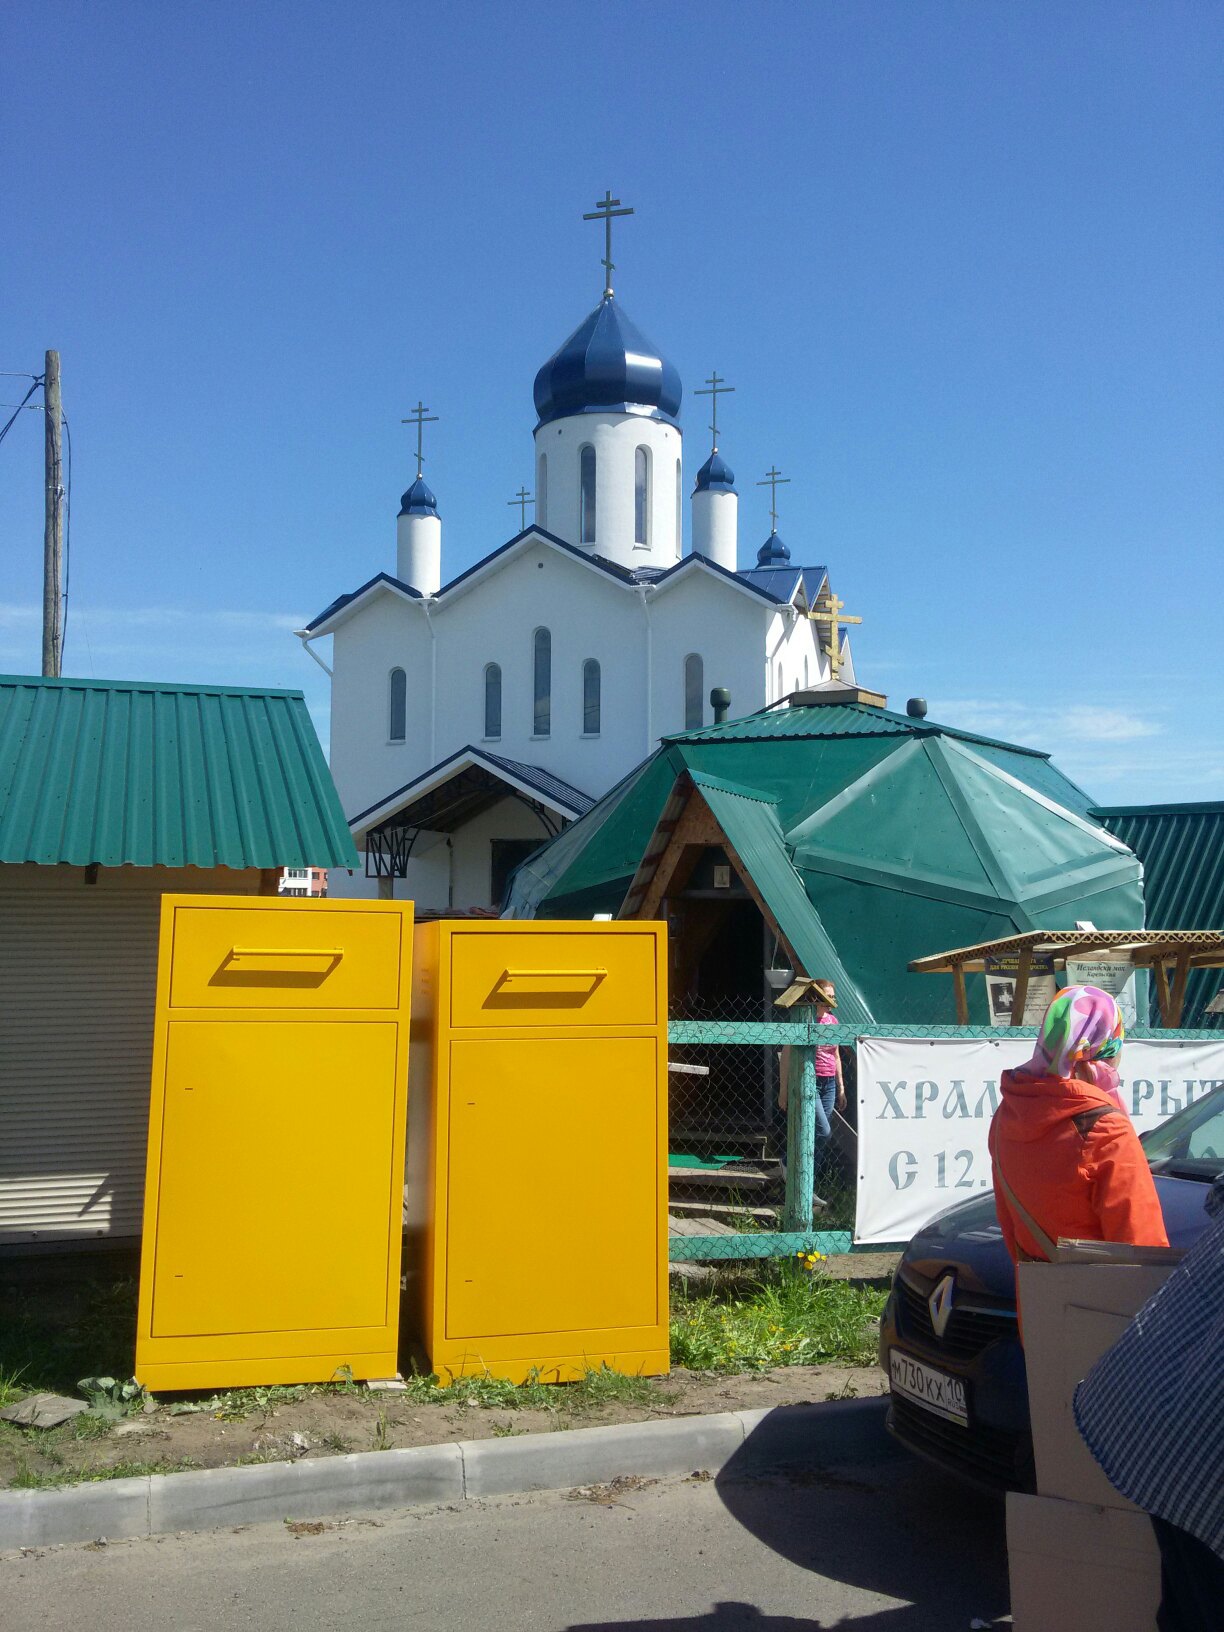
(420, 417)
(773, 480)
(522, 498)
(831, 614)
(716, 387)
(606, 208)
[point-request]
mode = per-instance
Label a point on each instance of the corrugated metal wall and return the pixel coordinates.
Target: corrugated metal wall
(1182, 851)
(78, 976)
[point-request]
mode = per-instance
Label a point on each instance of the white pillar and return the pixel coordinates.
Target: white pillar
(716, 527)
(716, 513)
(419, 540)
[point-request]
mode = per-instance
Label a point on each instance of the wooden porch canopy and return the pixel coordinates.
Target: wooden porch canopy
(1170, 954)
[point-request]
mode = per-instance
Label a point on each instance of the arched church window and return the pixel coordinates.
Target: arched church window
(780, 692)
(805, 673)
(641, 498)
(694, 687)
(492, 700)
(398, 710)
(590, 698)
(541, 504)
(586, 495)
(541, 655)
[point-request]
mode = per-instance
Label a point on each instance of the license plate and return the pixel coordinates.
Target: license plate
(934, 1390)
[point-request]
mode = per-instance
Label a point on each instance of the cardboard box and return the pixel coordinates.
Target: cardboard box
(1072, 1313)
(1081, 1567)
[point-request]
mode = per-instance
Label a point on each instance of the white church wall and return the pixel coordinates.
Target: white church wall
(473, 850)
(795, 659)
(725, 627)
(385, 634)
(615, 438)
(588, 616)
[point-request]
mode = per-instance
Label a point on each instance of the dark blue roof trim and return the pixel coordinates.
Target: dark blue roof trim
(342, 601)
(544, 782)
(722, 572)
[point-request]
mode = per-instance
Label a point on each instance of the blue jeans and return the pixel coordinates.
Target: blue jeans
(826, 1095)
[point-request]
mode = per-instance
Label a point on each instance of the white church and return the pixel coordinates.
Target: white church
(473, 718)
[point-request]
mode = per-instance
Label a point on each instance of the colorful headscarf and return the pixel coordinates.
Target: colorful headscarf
(1082, 1026)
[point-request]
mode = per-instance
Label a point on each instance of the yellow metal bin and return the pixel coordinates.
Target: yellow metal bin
(273, 1196)
(537, 1171)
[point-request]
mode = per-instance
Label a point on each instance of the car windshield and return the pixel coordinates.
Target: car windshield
(1190, 1145)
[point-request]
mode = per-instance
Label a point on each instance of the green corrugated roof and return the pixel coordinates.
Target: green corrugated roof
(750, 821)
(1182, 851)
(835, 720)
(127, 773)
(904, 838)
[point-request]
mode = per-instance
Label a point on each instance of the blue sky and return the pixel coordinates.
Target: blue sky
(961, 262)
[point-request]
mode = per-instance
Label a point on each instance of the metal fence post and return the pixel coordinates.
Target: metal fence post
(800, 1141)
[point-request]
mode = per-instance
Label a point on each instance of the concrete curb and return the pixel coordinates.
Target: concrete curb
(371, 1481)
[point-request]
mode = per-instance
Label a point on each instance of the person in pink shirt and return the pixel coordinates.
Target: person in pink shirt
(830, 1088)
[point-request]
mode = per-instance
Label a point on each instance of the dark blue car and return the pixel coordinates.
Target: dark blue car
(948, 1337)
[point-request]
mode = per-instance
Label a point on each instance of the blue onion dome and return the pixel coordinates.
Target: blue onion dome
(607, 366)
(773, 553)
(418, 501)
(715, 476)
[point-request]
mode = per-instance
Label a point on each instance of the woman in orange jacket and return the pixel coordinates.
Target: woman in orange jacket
(1066, 1160)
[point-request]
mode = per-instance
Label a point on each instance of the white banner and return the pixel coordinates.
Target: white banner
(924, 1110)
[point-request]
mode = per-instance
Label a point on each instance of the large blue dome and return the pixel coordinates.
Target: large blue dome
(607, 366)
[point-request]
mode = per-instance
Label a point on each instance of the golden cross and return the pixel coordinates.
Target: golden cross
(832, 615)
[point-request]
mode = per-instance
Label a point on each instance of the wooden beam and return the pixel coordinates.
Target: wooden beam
(1162, 990)
(962, 996)
(694, 831)
(1181, 975)
(1024, 969)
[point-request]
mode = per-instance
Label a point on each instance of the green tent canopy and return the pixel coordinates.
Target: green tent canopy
(873, 837)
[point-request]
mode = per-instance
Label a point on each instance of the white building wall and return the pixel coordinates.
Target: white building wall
(589, 616)
(387, 633)
(726, 627)
(615, 438)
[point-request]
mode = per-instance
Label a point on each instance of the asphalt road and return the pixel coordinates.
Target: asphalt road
(893, 1547)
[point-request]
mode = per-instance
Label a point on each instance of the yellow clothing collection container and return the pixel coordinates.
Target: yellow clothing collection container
(273, 1197)
(536, 1189)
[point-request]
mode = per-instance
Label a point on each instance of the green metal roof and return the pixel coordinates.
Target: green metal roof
(750, 821)
(126, 773)
(904, 839)
(835, 720)
(1182, 851)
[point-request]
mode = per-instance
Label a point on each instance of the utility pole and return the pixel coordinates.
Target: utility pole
(53, 526)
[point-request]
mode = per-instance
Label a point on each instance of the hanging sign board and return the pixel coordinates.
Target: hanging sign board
(1114, 975)
(924, 1110)
(1001, 975)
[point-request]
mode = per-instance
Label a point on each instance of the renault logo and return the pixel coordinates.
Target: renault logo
(939, 1304)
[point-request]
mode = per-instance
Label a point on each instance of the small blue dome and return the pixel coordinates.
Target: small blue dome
(773, 553)
(418, 501)
(607, 366)
(715, 476)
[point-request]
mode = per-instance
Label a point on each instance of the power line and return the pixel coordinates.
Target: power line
(38, 380)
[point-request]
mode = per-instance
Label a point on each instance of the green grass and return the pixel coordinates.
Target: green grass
(781, 1316)
(26, 1478)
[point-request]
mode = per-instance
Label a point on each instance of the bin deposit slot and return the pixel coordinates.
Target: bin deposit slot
(544, 988)
(277, 965)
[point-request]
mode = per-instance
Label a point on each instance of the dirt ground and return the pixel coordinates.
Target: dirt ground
(329, 1424)
(272, 1425)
